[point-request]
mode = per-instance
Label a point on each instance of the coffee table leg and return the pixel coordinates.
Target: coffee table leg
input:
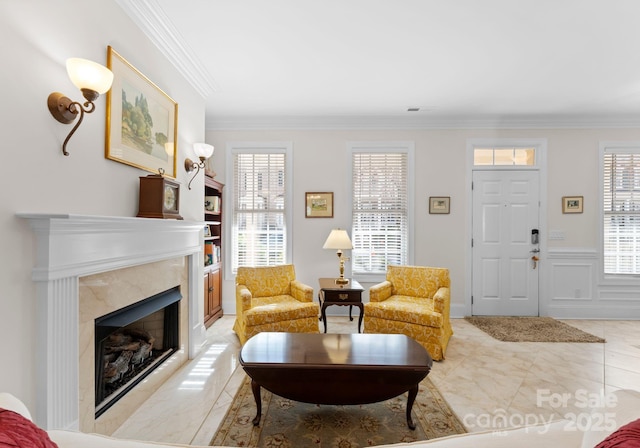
(255, 388)
(413, 393)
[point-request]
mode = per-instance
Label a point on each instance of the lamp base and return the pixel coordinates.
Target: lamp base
(342, 281)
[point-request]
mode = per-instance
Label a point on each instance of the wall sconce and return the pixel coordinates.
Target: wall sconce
(203, 152)
(339, 239)
(93, 80)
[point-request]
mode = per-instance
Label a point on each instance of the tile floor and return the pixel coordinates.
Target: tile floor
(486, 382)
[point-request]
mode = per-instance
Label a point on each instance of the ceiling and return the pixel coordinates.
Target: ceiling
(364, 63)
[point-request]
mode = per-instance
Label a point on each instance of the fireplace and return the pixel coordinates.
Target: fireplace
(87, 267)
(130, 343)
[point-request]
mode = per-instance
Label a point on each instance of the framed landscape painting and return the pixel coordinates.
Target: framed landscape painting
(142, 120)
(318, 205)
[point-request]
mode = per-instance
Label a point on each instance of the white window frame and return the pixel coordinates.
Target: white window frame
(407, 147)
(234, 148)
(612, 147)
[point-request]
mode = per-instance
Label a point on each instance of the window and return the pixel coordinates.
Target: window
(261, 206)
(381, 191)
(504, 156)
(621, 206)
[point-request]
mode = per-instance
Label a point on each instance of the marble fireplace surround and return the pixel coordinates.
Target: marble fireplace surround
(72, 248)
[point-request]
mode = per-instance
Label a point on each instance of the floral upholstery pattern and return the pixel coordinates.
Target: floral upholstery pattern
(414, 301)
(271, 299)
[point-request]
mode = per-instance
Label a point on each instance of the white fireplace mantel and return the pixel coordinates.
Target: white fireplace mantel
(72, 246)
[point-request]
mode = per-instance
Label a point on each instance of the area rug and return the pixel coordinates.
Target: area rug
(530, 329)
(291, 424)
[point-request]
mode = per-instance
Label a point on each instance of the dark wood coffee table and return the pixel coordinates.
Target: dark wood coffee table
(338, 369)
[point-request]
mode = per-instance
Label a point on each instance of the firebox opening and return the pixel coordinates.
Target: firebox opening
(132, 342)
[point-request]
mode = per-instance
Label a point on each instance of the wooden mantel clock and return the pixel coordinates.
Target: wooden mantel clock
(159, 197)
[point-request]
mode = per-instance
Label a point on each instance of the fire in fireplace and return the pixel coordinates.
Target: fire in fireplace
(132, 342)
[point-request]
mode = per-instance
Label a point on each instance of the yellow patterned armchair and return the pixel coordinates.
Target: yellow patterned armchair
(413, 300)
(271, 299)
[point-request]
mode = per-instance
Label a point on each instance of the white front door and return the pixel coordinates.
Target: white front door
(505, 213)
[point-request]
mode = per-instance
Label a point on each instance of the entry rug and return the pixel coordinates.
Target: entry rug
(291, 424)
(530, 329)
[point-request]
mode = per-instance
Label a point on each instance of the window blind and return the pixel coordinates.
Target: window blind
(380, 211)
(621, 212)
(259, 198)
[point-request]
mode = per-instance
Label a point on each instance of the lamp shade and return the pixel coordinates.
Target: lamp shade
(85, 74)
(203, 150)
(338, 239)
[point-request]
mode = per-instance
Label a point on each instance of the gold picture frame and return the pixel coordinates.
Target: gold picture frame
(142, 120)
(572, 204)
(439, 205)
(318, 205)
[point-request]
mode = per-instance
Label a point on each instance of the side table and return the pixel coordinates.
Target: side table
(332, 294)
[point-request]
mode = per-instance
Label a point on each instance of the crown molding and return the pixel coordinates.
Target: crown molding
(337, 122)
(153, 21)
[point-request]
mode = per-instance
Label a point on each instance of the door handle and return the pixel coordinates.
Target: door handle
(534, 251)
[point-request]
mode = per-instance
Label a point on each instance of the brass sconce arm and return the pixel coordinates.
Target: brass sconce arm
(65, 111)
(190, 165)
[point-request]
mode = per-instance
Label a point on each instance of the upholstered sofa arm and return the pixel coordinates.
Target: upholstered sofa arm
(381, 291)
(301, 292)
(243, 299)
(441, 300)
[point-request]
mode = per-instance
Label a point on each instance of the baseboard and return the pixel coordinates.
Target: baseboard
(458, 311)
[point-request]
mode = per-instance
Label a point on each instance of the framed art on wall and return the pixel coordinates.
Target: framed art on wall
(572, 204)
(439, 205)
(142, 120)
(318, 205)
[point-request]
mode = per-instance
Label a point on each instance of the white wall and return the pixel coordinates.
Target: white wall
(37, 38)
(320, 161)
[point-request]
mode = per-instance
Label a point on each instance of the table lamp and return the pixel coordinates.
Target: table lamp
(339, 239)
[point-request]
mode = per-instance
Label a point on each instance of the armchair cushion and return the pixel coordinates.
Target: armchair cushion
(417, 281)
(413, 310)
(267, 281)
(266, 310)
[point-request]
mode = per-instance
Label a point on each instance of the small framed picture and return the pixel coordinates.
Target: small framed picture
(318, 205)
(212, 203)
(439, 205)
(572, 204)
(207, 230)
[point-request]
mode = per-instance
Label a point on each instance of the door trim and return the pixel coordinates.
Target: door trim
(540, 144)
